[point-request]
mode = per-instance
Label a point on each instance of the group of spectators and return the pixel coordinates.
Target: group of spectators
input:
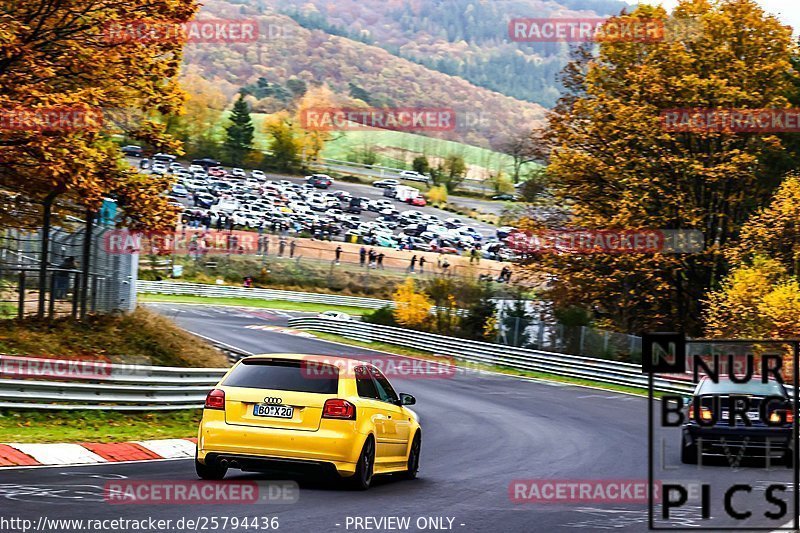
(375, 258)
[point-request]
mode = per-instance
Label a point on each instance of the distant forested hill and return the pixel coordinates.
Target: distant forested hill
(425, 53)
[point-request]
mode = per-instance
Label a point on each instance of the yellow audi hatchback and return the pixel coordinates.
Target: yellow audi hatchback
(298, 411)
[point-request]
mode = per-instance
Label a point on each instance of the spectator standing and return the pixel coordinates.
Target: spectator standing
(474, 255)
(61, 279)
(380, 260)
(372, 256)
(422, 262)
(362, 256)
(281, 247)
(413, 264)
(338, 253)
(292, 246)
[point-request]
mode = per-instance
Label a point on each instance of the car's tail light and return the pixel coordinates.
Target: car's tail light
(215, 399)
(788, 416)
(341, 409)
(705, 413)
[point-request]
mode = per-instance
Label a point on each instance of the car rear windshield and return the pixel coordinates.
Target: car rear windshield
(285, 375)
(754, 387)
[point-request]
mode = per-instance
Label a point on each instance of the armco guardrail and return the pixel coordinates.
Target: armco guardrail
(62, 384)
(558, 364)
(226, 291)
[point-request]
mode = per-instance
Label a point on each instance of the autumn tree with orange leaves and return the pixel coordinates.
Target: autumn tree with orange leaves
(614, 165)
(64, 55)
(72, 73)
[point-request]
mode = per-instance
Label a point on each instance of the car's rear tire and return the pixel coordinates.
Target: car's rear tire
(413, 457)
(209, 472)
(689, 454)
(362, 478)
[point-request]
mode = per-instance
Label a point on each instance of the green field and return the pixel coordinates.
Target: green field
(96, 426)
(249, 302)
(347, 143)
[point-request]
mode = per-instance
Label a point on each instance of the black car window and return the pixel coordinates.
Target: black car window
(753, 387)
(364, 384)
(385, 390)
(288, 375)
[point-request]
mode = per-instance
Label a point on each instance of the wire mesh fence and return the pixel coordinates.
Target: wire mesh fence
(207, 244)
(524, 332)
(57, 290)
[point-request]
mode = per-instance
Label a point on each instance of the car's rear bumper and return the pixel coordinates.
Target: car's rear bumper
(339, 445)
(753, 441)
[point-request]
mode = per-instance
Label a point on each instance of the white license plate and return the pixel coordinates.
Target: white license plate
(752, 415)
(275, 411)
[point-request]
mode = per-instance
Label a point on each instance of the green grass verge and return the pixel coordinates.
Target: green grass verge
(401, 350)
(141, 337)
(96, 426)
(247, 302)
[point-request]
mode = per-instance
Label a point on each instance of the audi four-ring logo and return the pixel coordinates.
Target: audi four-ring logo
(272, 400)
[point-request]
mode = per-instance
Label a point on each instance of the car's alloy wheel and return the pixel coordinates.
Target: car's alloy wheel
(362, 479)
(413, 457)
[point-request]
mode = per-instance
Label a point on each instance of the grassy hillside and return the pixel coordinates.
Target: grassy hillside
(317, 57)
(140, 337)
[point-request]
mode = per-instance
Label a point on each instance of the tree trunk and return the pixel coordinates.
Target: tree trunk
(86, 262)
(45, 255)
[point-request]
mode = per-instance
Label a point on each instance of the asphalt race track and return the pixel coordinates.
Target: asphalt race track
(480, 432)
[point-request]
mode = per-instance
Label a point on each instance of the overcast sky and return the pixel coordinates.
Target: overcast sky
(786, 10)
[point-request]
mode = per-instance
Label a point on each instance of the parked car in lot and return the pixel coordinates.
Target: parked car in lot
(413, 175)
(381, 184)
(179, 191)
(205, 162)
(504, 232)
(238, 173)
(258, 174)
(290, 411)
(164, 158)
(159, 168)
(419, 201)
(354, 206)
(217, 172)
(506, 197)
(132, 150)
(204, 200)
(319, 181)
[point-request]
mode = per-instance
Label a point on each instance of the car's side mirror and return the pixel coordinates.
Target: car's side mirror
(407, 399)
